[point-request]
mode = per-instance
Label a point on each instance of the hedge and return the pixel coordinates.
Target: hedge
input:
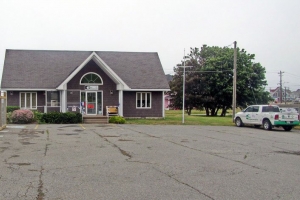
(61, 118)
(12, 108)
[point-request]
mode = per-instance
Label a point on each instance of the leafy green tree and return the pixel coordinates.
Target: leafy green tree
(209, 82)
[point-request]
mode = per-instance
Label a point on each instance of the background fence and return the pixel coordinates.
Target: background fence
(3, 110)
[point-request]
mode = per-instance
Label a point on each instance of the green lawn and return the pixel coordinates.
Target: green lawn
(196, 118)
(174, 117)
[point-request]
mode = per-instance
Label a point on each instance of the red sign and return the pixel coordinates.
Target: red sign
(90, 106)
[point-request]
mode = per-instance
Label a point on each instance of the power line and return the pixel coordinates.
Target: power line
(210, 71)
(229, 44)
(290, 74)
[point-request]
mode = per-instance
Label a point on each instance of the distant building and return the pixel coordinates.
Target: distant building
(168, 97)
(287, 95)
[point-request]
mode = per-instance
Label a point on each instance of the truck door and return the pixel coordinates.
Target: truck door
(255, 115)
(250, 115)
(247, 115)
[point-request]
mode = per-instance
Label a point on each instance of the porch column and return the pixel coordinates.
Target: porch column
(46, 106)
(120, 109)
(63, 101)
(163, 104)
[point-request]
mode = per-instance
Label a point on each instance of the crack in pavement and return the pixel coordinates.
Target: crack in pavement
(29, 186)
(149, 135)
(125, 153)
(224, 140)
(142, 162)
(40, 195)
(186, 184)
(296, 153)
(213, 154)
(75, 166)
(47, 131)
(46, 149)
(258, 138)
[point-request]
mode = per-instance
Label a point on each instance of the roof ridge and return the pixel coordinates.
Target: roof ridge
(52, 50)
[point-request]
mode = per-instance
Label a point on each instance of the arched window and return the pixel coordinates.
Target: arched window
(91, 79)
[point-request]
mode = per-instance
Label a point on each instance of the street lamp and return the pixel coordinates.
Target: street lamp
(183, 85)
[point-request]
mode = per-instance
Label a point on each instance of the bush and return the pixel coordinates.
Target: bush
(22, 116)
(37, 116)
(10, 109)
(61, 118)
(117, 120)
(8, 118)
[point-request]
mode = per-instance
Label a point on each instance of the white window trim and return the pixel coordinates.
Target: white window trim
(91, 83)
(25, 103)
(136, 98)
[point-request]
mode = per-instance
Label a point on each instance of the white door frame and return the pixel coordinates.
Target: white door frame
(90, 103)
(96, 101)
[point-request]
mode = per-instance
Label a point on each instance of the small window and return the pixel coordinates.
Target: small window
(255, 109)
(53, 98)
(249, 109)
(91, 79)
(28, 100)
(143, 99)
(270, 109)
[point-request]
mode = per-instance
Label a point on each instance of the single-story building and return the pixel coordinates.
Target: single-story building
(85, 81)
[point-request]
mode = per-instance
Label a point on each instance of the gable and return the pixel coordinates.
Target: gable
(90, 67)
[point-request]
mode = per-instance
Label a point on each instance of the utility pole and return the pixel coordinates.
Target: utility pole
(234, 82)
(280, 86)
(284, 95)
(183, 85)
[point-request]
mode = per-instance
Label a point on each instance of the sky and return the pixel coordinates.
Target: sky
(270, 29)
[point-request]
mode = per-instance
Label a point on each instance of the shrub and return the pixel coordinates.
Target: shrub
(117, 120)
(37, 116)
(12, 108)
(22, 116)
(61, 118)
(8, 118)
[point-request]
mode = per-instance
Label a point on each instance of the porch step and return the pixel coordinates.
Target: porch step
(95, 119)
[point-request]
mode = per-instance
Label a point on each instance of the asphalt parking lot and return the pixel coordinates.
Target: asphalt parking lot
(148, 162)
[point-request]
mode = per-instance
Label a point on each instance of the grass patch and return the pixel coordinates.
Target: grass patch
(174, 117)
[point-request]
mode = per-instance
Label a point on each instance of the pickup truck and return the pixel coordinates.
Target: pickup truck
(268, 116)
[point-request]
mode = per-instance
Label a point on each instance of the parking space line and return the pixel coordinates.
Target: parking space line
(82, 126)
(36, 126)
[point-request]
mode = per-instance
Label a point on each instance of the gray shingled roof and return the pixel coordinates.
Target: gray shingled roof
(47, 69)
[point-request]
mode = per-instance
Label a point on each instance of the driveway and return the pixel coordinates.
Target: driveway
(148, 162)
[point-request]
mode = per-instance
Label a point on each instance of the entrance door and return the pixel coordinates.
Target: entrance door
(91, 102)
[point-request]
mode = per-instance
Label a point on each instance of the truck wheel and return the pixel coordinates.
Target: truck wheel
(267, 124)
(287, 128)
(238, 122)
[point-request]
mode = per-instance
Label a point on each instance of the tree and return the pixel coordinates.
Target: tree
(193, 88)
(209, 83)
